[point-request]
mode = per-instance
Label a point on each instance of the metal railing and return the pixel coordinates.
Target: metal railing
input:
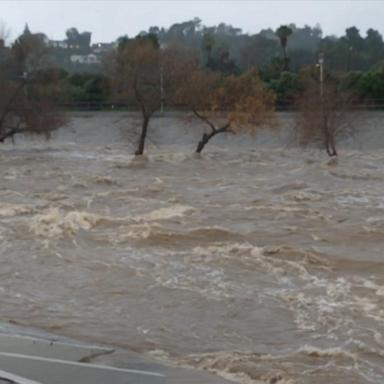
(281, 106)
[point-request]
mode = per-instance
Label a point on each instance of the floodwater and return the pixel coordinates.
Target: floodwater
(256, 261)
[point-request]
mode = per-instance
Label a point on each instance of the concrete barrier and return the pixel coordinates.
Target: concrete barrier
(55, 371)
(7, 378)
(49, 348)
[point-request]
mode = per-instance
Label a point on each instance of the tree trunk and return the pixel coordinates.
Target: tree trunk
(143, 136)
(329, 143)
(202, 143)
(332, 147)
(8, 134)
(329, 138)
(11, 133)
(286, 66)
(7, 109)
(208, 136)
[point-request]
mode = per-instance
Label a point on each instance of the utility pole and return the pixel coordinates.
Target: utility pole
(321, 67)
(327, 135)
(161, 90)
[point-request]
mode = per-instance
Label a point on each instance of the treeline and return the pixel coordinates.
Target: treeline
(191, 68)
(226, 48)
(144, 73)
(279, 55)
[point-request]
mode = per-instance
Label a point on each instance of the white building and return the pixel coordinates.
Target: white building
(103, 47)
(58, 44)
(85, 59)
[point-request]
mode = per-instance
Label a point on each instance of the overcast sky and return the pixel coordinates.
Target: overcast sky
(108, 20)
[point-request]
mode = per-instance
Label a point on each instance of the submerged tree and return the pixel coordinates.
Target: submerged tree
(26, 109)
(324, 112)
(28, 104)
(136, 72)
(226, 104)
(146, 76)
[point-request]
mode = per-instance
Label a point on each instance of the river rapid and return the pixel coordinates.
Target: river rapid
(257, 261)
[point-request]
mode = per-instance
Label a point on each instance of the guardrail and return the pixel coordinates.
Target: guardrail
(375, 105)
(39, 360)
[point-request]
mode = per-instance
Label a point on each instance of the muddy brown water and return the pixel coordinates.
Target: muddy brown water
(256, 261)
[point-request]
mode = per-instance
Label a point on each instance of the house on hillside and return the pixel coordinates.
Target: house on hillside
(62, 44)
(103, 47)
(85, 59)
(58, 44)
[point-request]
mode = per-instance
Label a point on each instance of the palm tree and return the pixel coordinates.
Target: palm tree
(283, 32)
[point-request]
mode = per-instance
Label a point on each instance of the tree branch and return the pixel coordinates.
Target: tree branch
(224, 128)
(7, 108)
(205, 119)
(10, 133)
(138, 96)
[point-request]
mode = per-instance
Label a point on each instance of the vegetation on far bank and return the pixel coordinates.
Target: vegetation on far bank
(230, 81)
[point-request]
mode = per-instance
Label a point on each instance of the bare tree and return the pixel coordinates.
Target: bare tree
(147, 77)
(324, 113)
(26, 109)
(136, 74)
(230, 104)
(27, 104)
